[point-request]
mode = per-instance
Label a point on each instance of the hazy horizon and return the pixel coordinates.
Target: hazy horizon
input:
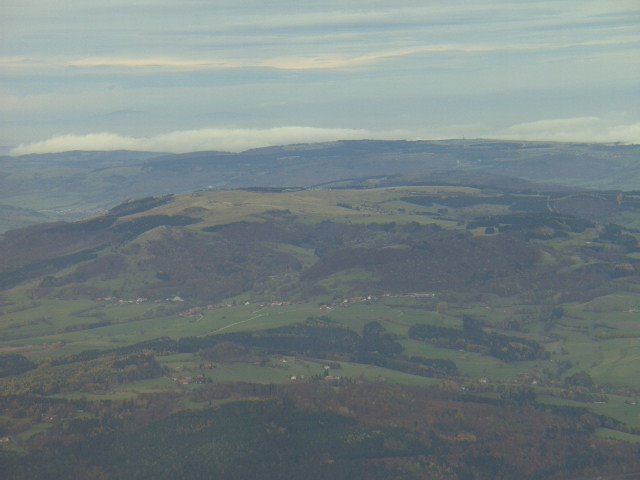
(185, 76)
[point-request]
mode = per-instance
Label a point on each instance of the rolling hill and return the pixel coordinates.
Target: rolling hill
(73, 185)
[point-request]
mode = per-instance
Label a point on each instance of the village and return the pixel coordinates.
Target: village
(198, 311)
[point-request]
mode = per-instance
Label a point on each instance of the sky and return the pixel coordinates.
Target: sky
(187, 75)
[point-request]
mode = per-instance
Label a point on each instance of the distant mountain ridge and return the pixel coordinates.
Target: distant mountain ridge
(78, 184)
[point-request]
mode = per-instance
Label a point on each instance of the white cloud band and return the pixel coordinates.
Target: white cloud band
(579, 129)
(232, 140)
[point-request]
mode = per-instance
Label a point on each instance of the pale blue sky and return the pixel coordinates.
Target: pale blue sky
(191, 75)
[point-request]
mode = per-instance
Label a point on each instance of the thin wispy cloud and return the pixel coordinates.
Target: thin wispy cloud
(153, 62)
(329, 61)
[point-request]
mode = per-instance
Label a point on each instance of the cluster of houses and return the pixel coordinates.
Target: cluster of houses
(325, 377)
(192, 312)
(199, 379)
(410, 295)
(278, 303)
(122, 301)
(138, 300)
(347, 302)
(198, 311)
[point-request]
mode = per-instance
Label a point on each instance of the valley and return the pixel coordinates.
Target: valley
(342, 302)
